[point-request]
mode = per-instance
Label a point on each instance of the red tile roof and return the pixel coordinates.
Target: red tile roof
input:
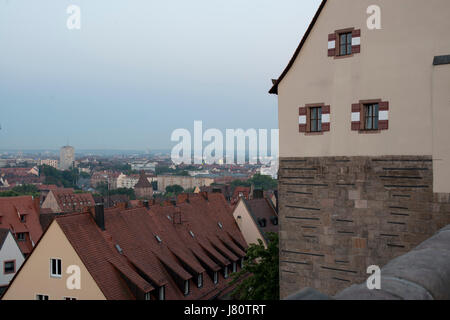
(199, 236)
(101, 258)
(10, 208)
(143, 181)
(68, 201)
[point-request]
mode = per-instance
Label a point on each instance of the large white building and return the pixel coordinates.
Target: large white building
(66, 158)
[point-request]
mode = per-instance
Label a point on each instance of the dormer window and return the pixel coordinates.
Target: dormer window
(162, 293)
(220, 225)
(186, 287)
(242, 263)
(21, 237)
(216, 277)
(234, 267)
(147, 296)
(225, 272)
(158, 239)
(200, 280)
(192, 234)
(23, 218)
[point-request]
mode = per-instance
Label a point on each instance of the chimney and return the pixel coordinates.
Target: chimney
(100, 215)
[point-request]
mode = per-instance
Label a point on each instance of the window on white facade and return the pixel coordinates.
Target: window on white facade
(9, 267)
(55, 268)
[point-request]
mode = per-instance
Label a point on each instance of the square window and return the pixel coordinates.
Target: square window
(345, 44)
(55, 268)
(371, 116)
(9, 267)
(41, 297)
(315, 119)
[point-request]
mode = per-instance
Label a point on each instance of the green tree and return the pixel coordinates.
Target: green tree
(23, 190)
(262, 265)
(264, 182)
(176, 189)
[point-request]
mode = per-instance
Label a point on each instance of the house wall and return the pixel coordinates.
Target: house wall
(9, 251)
(34, 278)
(350, 200)
(247, 225)
(51, 203)
(395, 64)
(441, 127)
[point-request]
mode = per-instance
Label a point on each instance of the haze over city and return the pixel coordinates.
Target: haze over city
(133, 74)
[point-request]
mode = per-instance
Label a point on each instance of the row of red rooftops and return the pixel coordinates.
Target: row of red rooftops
(183, 249)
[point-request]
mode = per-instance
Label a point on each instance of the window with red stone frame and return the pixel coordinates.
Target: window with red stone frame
(344, 43)
(314, 118)
(370, 116)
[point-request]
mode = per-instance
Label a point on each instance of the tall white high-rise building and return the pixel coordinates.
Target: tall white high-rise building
(66, 158)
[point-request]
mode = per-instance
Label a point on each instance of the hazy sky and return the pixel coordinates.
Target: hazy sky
(138, 69)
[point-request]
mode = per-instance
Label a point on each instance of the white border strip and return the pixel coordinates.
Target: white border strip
(356, 41)
(383, 115)
(332, 44)
(302, 120)
(356, 116)
(326, 118)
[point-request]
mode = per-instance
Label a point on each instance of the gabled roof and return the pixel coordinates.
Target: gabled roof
(143, 181)
(3, 235)
(68, 201)
(274, 89)
(101, 259)
(10, 208)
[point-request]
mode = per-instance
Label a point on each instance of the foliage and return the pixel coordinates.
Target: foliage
(102, 188)
(66, 179)
(262, 265)
(259, 181)
(23, 190)
(176, 189)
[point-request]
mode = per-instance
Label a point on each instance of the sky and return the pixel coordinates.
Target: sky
(136, 70)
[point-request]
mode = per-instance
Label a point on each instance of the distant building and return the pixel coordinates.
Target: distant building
(128, 182)
(143, 188)
(66, 158)
(143, 165)
(186, 182)
(66, 201)
(50, 162)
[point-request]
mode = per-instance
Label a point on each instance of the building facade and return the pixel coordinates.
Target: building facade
(50, 162)
(364, 159)
(11, 258)
(66, 158)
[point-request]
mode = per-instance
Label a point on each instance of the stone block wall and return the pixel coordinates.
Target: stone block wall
(339, 215)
